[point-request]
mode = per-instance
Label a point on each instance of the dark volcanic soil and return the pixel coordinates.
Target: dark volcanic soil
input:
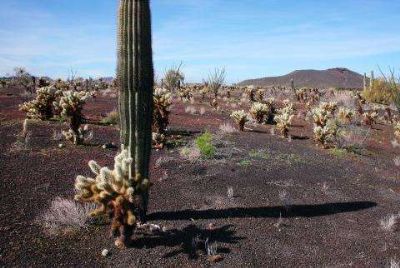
(293, 204)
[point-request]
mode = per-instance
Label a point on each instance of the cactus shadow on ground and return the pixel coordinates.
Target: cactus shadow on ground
(306, 211)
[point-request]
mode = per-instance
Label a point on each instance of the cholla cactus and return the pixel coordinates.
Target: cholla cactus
(42, 106)
(259, 111)
(329, 106)
(70, 106)
(370, 117)
(326, 134)
(162, 99)
(284, 118)
(397, 129)
(260, 95)
(301, 94)
(114, 193)
(158, 140)
(320, 116)
(345, 115)
(325, 128)
(272, 110)
(251, 91)
(185, 93)
(240, 117)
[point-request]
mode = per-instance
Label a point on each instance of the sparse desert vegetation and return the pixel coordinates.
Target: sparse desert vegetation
(132, 171)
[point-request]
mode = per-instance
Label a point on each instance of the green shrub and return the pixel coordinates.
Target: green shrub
(112, 118)
(204, 143)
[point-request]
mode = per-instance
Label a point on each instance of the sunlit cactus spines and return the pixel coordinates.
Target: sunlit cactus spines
(240, 117)
(70, 106)
(259, 111)
(284, 118)
(114, 192)
(162, 99)
(345, 115)
(326, 134)
(42, 106)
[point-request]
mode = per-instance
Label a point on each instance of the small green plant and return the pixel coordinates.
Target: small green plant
(245, 163)
(204, 144)
(112, 118)
(338, 152)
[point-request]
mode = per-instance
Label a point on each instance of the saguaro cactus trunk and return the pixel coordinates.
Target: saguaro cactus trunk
(135, 75)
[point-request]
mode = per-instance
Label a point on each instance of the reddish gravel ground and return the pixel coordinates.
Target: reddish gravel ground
(293, 204)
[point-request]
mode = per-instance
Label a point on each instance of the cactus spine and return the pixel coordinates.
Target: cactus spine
(136, 78)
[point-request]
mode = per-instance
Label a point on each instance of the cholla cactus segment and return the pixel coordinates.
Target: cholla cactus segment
(240, 117)
(345, 115)
(158, 140)
(397, 129)
(162, 99)
(113, 191)
(326, 134)
(42, 106)
(259, 111)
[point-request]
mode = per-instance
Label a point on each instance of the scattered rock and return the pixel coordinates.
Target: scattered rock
(105, 252)
(61, 145)
(215, 258)
(109, 146)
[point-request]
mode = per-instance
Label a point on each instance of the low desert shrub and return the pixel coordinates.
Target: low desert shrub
(204, 144)
(240, 118)
(227, 128)
(352, 138)
(64, 214)
(326, 135)
(112, 118)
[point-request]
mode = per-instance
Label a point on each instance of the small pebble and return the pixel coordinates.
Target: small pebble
(61, 145)
(104, 253)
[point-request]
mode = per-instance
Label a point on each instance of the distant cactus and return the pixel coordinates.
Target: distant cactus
(70, 106)
(397, 129)
(259, 111)
(240, 117)
(284, 118)
(42, 106)
(216, 80)
(162, 99)
(326, 134)
(345, 115)
(325, 127)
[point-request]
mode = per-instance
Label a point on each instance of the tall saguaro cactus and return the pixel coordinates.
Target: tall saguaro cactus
(135, 74)
(124, 191)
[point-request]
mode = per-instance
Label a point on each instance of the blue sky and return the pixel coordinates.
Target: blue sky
(250, 38)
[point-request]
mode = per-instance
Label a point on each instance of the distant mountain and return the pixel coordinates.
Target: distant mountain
(330, 78)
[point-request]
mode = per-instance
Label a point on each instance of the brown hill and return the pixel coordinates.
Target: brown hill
(330, 78)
